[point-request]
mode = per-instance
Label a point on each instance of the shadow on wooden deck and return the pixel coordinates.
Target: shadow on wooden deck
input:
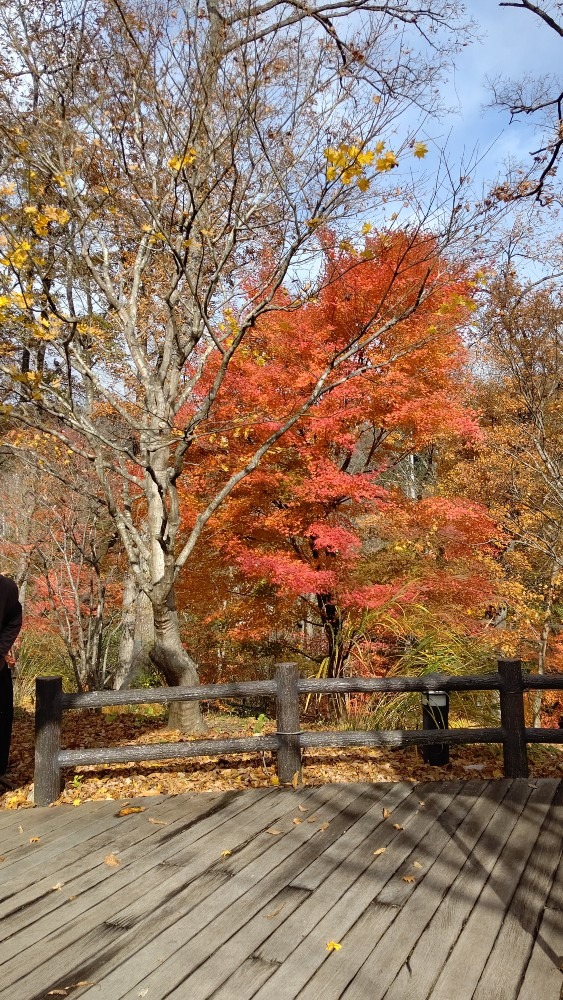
(441, 891)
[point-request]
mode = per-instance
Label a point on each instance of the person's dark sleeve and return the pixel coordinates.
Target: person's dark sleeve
(12, 624)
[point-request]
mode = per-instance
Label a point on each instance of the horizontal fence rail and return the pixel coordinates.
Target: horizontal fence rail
(289, 740)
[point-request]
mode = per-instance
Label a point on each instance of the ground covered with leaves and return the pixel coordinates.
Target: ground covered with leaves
(204, 774)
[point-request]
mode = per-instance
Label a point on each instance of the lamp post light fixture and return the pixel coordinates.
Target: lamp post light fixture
(435, 705)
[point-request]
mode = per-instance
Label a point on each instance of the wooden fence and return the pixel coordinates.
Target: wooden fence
(289, 740)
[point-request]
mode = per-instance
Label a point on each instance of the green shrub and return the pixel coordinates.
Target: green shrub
(40, 655)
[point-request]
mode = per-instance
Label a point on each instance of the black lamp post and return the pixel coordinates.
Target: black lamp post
(435, 705)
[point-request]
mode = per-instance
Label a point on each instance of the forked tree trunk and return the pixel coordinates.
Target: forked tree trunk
(178, 668)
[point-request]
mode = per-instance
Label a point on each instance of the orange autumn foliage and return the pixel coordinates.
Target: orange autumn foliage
(325, 513)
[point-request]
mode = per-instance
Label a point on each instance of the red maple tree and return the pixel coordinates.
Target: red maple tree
(330, 518)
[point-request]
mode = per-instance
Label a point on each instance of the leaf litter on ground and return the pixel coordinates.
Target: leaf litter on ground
(251, 770)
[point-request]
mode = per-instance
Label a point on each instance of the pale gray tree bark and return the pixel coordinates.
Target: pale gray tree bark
(160, 159)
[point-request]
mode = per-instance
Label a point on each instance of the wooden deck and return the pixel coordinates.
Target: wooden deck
(236, 895)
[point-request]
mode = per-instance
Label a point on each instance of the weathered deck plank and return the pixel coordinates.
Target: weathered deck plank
(55, 936)
(418, 973)
(502, 979)
(41, 823)
(419, 969)
(470, 954)
(198, 851)
(180, 918)
(378, 880)
(199, 933)
(82, 867)
(253, 935)
(543, 972)
(73, 838)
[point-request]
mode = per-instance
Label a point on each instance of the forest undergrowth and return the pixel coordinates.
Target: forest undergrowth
(230, 773)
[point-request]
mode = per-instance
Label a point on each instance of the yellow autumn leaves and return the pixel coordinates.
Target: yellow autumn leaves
(348, 163)
(178, 163)
(16, 255)
(345, 162)
(41, 218)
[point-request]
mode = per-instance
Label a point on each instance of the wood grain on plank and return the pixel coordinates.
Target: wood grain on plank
(422, 966)
(334, 907)
(99, 934)
(472, 949)
(193, 938)
(179, 920)
(503, 979)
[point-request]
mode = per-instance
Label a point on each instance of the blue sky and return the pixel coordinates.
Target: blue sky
(513, 43)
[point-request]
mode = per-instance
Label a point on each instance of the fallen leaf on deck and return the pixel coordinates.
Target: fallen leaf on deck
(386, 814)
(274, 913)
(421, 803)
(324, 826)
(112, 861)
(303, 809)
(409, 878)
(297, 821)
(380, 850)
(333, 946)
(2, 859)
(274, 780)
(142, 993)
(58, 993)
(59, 885)
(83, 982)
(128, 810)
(295, 779)
(397, 826)
(273, 831)
(226, 854)
(34, 840)
(158, 822)
(417, 864)
(312, 819)
(20, 829)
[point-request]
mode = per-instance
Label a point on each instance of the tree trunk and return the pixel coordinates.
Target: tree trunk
(168, 653)
(332, 621)
(178, 668)
(544, 638)
(122, 674)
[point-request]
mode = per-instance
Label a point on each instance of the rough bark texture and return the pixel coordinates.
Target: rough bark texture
(177, 667)
(127, 638)
(137, 634)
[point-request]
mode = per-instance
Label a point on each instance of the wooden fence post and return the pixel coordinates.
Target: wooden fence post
(48, 716)
(287, 716)
(512, 719)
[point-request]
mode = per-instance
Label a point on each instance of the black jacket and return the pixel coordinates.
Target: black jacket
(10, 616)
